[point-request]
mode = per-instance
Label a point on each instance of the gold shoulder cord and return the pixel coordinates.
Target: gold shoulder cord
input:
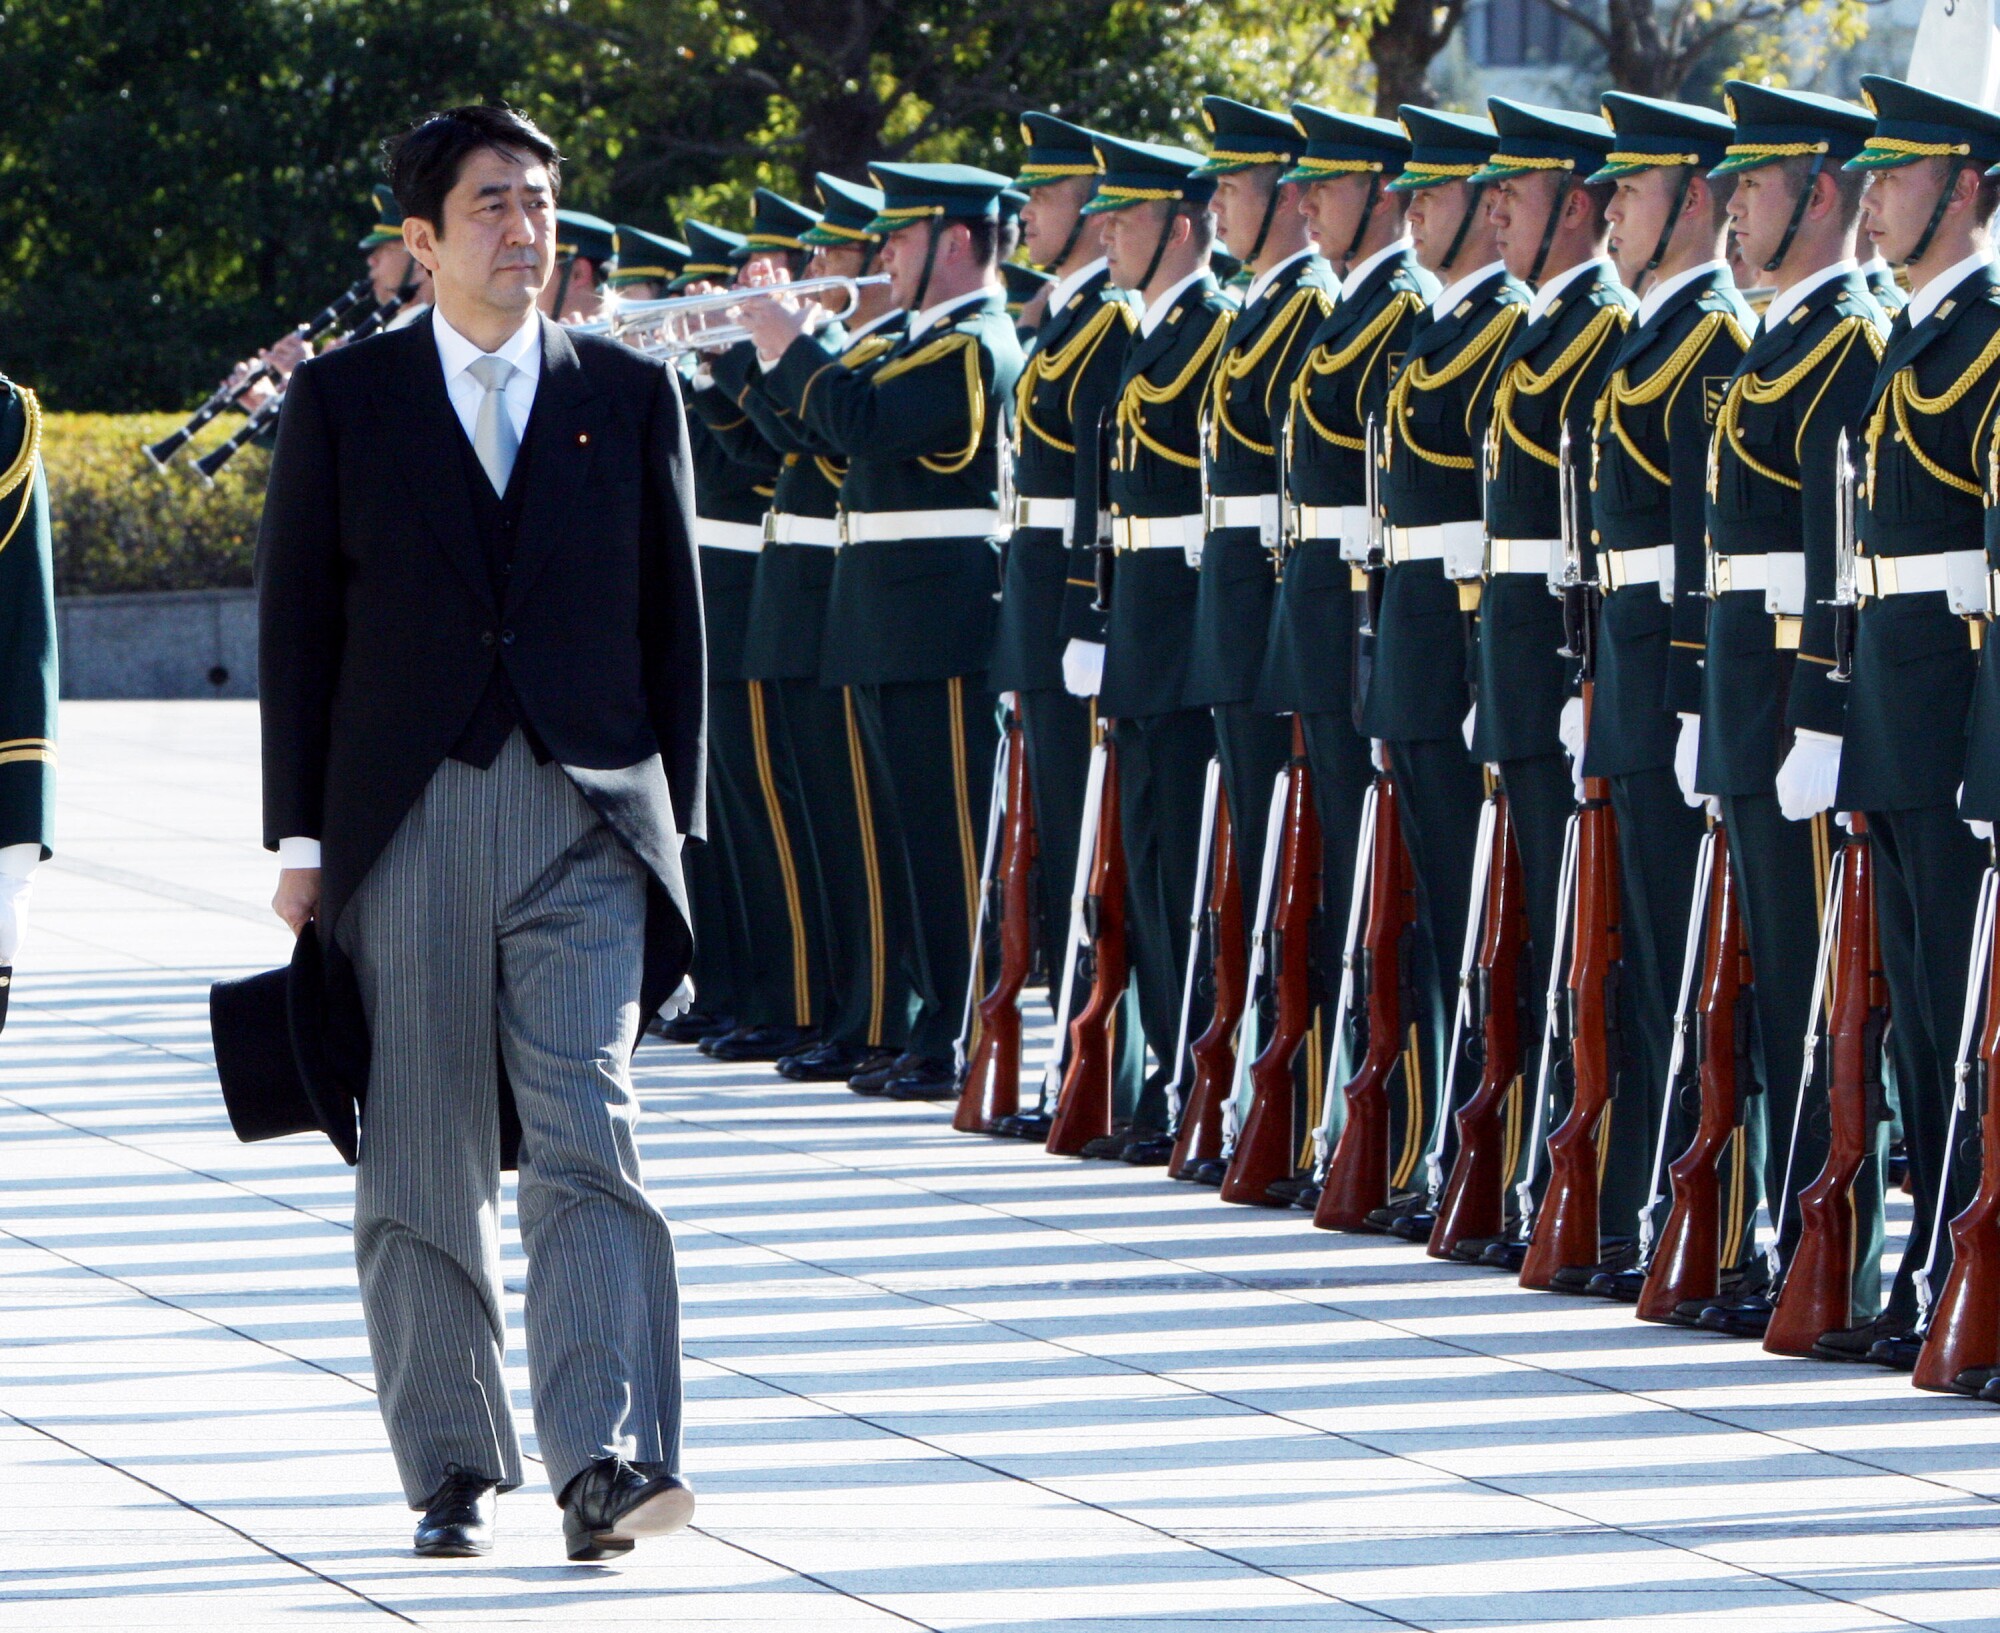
(1902, 399)
(975, 393)
(1759, 392)
(20, 473)
(1669, 376)
(1240, 365)
(1050, 366)
(1419, 376)
(1522, 381)
(1321, 362)
(1141, 393)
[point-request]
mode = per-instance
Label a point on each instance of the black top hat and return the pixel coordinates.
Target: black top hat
(270, 1053)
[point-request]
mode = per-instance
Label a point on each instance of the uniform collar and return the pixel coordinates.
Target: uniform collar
(1358, 274)
(1059, 297)
(931, 316)
(1789, 299)
(1156, 313)
(1263, 281)
(1665, 289)
(1453, 293)
(1925, 301)
(1545, 296)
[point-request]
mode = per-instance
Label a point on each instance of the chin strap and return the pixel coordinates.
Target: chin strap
(1159, 252)
(1549, 230)
(1264, 227)
(1472, 198)
(1937, 213)
(1798, 213)
(562, 286)
(934, 229)
(1673, 218)
(1069, 243)
(1367, 215)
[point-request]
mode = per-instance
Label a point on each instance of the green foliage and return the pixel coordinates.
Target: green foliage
(119, 525)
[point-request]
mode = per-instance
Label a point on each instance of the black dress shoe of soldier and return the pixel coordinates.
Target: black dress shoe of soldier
(1973, 1380)
(458, 1520)
(692, 1027)
(831, 1062)
(1854, 1343)
(1898, 1352)
(1619, 1254)
(1623, 1285)
(1385, 1217)
(612, 1504)
(1106, 1147)
(1505, 1254)
(931, 1078)
(1414, 1224)
(761, 1042)
(874, 1079)
(1023, 1125)
(1991, 1390)
(1472, 1249)
(1209, 1171)
(1293, 1193)
(1745, 1317)
(1148, 1150)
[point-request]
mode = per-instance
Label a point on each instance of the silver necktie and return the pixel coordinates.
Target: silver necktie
(493, 438)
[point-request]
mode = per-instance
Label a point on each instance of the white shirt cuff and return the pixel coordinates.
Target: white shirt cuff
(19, 861)
(298, 853)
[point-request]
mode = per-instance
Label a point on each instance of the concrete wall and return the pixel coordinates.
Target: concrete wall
(179, 643)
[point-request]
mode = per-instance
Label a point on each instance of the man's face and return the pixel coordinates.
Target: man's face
(1130, 237)
(1050, 214)
(1332, 209)
(1896, 206)
(1240, 201)
(648, 289)
(836, 261)
(904, 252)
(1760, 209)
(1638, 215)
(495, 245)
(1520, 217)
(388, 265)
(1433, 219)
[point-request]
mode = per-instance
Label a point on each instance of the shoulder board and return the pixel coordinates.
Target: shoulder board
(1610, 294)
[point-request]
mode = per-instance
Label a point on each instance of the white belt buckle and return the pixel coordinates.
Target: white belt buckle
(1785, 584)
(1667, 573)
(843, 526)
(1965, 582)
(1462, 549)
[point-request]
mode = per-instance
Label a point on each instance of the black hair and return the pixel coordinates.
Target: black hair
(982, 238)
(1600, 195)
(1984, 202)
(1721, 189)
(1201, 223)
(1847, 184)
(423, 164)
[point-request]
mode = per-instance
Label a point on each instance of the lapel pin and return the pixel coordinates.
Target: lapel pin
(582, 437)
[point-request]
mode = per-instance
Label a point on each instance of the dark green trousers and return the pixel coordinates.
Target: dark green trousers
(721, 933)
(929, 749)
(1927, 874)
(1162, 767)
(1057, 727)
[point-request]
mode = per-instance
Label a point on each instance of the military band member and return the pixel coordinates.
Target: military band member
(1765, 660)
(586, 252)
(1550, 228)
(910, 620)
(1417, 697)
(1312, 665)
(27, 669)
(1153, 201)
(1290, 291)
(1901, 752)
(1653, 423)
(643, 263)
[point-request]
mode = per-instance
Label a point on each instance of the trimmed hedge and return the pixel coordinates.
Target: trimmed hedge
(120, 525)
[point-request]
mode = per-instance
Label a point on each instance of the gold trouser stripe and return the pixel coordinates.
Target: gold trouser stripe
(1515, 1095)
(1732, 1235)
(1413, 1112)
(871, 867)
(968, 851)
(1315, 1089)
(781, 839)
(1603, 1143)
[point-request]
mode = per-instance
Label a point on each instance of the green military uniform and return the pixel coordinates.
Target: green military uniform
(1653, 422)
(1882, 285)
(1434, 426)
(910, 613)
(1903, 756)
(28, 631)
(1765, 659)
(1312, 659)
(1062, 407)
(1248, 393)
(1549, 376)
(1163, 745)
(867, 1008)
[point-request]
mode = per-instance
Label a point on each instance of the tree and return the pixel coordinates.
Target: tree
(1651, 47)
(1403, 44)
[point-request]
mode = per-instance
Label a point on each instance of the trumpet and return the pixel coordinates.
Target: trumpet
(682, 323)
(315, 328)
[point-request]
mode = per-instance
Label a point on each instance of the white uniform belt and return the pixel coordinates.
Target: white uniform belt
(1258, 510)
(1648, 564)
(1779, 574)
(783, 527)
(1181, 533)
(714, 535)
(1538, 556)
(1056, 513)
(1958, 574)
(1346, 523)
(1434, 543)
(890, 526)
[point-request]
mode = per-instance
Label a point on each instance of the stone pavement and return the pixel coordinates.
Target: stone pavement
(936, 1381)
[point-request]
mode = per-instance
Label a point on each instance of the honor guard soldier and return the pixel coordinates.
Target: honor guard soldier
(586, 252)
(1766, 660)
(1130, 635)
(1921, 575)
(910, 620)
(1434, 428)
(1062, 412)
(1653, 423)
(1290, 291)
(27, 669)
(644, 263)
(1550, 228)
(1311, 664)
(760, 794)
(865, 1011)
(1028, 289)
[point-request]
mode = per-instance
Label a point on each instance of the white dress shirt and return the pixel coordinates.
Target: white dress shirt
(1786, 301)
(1453, 293)
(1358, 274)
(931, 316)
(1059, 296)
(1262, 281)
(1664, 289)
(1545, 296)
(1156, 314)
(1925, 301)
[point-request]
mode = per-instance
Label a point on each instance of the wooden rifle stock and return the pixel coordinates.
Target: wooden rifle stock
(1566, 1227)
(992, 1086)
(1357, 1174)
(1083, 1108)
(1474, 1200)
(1817, 1294)
(1687, 1261)
(1200, 1137)
(1964, 1330)
(1265, 1147)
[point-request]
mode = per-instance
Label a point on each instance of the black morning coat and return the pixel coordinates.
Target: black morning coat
(379, 627)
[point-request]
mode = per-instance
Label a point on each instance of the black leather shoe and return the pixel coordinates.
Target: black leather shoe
(692, 1027)
(1023, 1125)
(458, 1520)
(1106, 1147)
(1148, 1150)
(1289, 1193)
(1505, 1254)
(930, 1078)
(759, 1042)
(1415, 1224)
(1854, 1343)
(1385, 1218)
(1472, 1249)
(612, 1504)
(1619, 1254)
(832, 1062)
(1745, 1317)
(1622, 1285)
(874, 1079)
(1991, 1390)
(1209, 1171)
(1898, 1352)
(1974, 1380)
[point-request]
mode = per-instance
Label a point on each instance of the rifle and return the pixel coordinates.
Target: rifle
(1177, 1102)
(1687, 1262)
(1377, 567)
(1356, 1181)
(1473, 1200)
(990, 1079)
(1846, 602)
(1816, 1296)
(1213, 1054)
(1961, 1331)
(1331, 1120)
(1566, 1233)
(1264, 1148)
(1245, 1047)
(1104, 563)
(1083, 1105)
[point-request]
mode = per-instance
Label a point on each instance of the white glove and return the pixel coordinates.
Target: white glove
(1378, 751)
(1981, 828)
(679, 1001)
(1810, 776)
(1570, 730)
(17, 881)
(1083, 668)
(1465, 726)
(1687, 753)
